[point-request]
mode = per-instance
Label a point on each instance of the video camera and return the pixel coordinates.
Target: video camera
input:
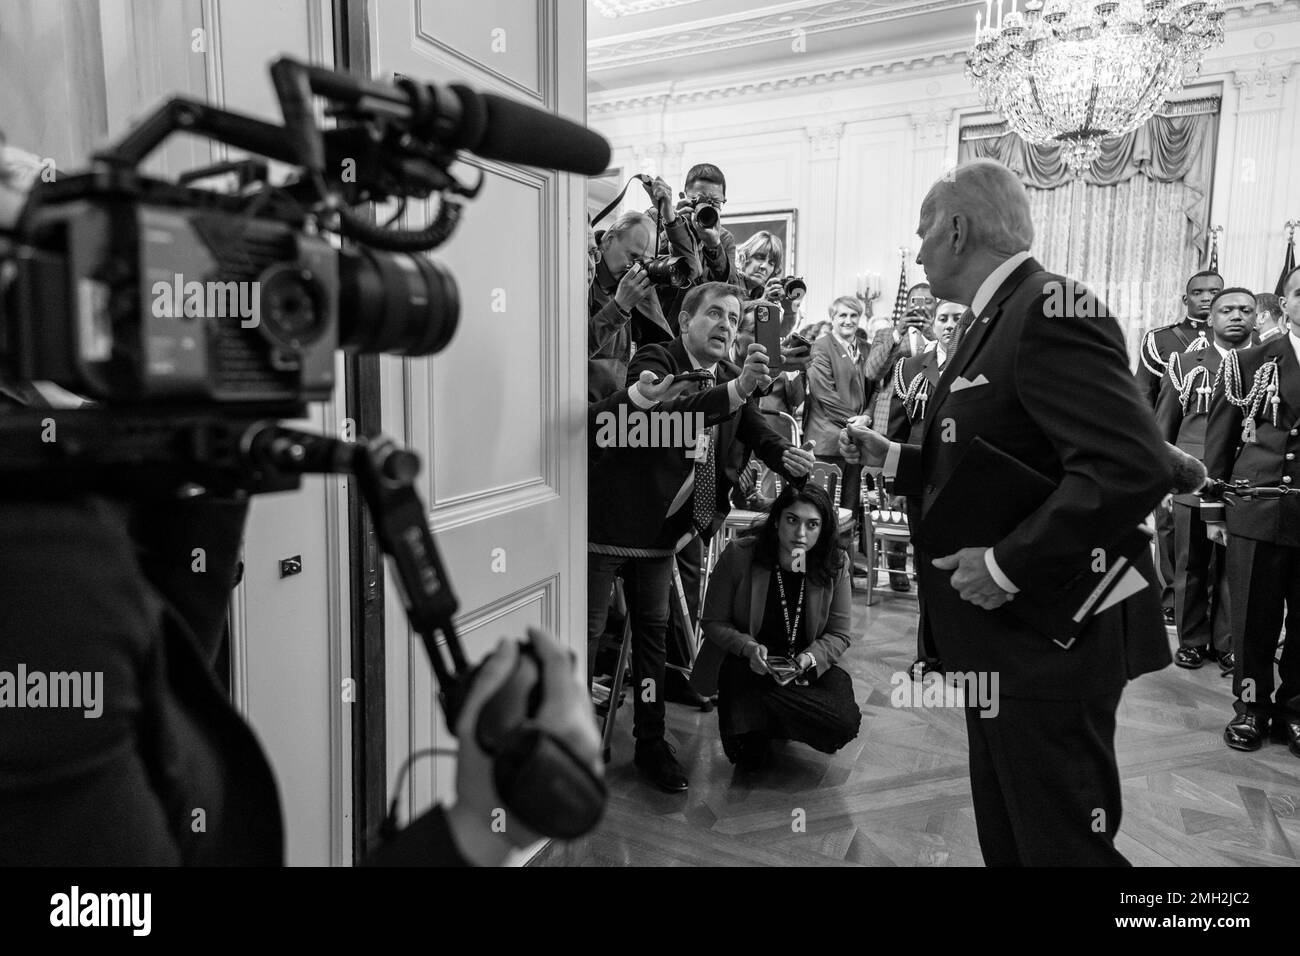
(195, 319)
(147, 294)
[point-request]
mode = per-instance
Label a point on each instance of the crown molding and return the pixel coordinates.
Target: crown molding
(657, 96)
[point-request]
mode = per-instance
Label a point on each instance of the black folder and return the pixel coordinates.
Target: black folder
(988, 495)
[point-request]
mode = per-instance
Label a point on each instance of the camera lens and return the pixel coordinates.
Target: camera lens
(706, 217)
(794, 288)
(290, 310)
(669, 270)
(395, 302)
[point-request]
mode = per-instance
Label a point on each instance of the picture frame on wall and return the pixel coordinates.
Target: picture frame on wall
(779, 222)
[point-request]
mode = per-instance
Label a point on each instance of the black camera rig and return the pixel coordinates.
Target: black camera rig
(195, 320)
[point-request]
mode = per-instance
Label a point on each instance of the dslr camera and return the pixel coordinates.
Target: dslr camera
(794, 288)
(674, 271)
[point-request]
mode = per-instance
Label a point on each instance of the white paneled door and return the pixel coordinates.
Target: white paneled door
(499, 416)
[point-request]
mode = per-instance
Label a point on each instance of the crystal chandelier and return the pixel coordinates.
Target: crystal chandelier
(1074, 72)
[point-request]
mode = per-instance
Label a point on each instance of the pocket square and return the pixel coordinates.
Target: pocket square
(961, 384)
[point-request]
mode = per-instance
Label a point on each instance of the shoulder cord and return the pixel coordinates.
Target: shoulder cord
(1150, 354)
(915, 395)
(1187, 384)
(1263, 389)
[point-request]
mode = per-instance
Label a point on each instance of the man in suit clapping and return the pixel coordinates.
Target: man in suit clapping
(1039, 372)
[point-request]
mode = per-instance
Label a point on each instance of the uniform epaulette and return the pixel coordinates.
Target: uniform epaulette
(1150, 355)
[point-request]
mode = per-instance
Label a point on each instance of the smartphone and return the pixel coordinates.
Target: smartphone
(767, 333)
(783, 669)
(693, 375)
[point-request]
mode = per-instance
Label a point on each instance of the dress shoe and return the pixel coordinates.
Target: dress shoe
(1227, 664)
(1287, 731)
(900, 582)
(1191, 657)
(1246, 732)
(655, 759)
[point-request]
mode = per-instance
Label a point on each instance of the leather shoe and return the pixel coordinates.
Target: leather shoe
(1287, 731)
(1246, 732)
(1191, 657)
(655, 759)
(1227, 664)
(900, 582)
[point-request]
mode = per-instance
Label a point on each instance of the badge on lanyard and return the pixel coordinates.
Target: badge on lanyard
(701, 450)
(1248, 432)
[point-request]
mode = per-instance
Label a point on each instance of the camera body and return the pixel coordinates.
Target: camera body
(672, 271)
(139, 293)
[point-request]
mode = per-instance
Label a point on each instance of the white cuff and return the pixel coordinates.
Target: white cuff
(890, 468)
(1002, 580)
(636, 398)
(733, 393)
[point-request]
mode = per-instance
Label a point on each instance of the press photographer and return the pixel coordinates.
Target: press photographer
(703, 199)
(97, 525)
(634, 288)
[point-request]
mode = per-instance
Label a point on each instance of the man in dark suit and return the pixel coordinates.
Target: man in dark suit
(1190, 334)
(1200, 571)
(1043, 772)
(646, 502)
(837, 391)
(1254, 437)
(910, 385)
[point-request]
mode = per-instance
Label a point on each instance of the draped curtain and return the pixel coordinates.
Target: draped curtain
(1136, 226)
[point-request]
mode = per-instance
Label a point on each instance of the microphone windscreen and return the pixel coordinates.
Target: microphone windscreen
(518, 133)
(1189, 474)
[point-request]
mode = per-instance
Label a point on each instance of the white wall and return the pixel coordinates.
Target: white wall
(855, 155)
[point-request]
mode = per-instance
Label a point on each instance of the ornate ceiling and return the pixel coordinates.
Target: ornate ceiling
(633, 42)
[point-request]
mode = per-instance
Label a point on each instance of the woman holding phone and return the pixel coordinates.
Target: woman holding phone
(776, 619)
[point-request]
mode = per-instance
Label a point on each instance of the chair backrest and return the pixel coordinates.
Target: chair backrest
(770, 484)
(783, 425)
(829, 477)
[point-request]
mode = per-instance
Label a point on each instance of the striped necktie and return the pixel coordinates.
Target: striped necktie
(704, 496)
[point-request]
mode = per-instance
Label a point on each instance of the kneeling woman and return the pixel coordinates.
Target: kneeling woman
(780, 592)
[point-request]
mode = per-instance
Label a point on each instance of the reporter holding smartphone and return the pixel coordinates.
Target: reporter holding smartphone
(780, 592)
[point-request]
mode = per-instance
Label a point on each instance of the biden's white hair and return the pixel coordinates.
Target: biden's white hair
(993, 201)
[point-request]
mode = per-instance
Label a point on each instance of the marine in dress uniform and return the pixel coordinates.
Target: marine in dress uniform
(1254, 438)
(1191, 334)
(1200, 580)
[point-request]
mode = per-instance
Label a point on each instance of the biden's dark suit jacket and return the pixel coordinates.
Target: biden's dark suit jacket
(1059, 397)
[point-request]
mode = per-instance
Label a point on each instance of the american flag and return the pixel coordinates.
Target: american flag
(900, 300)
(1288, 263)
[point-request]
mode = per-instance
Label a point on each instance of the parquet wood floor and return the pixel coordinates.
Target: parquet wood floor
(899, 795)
